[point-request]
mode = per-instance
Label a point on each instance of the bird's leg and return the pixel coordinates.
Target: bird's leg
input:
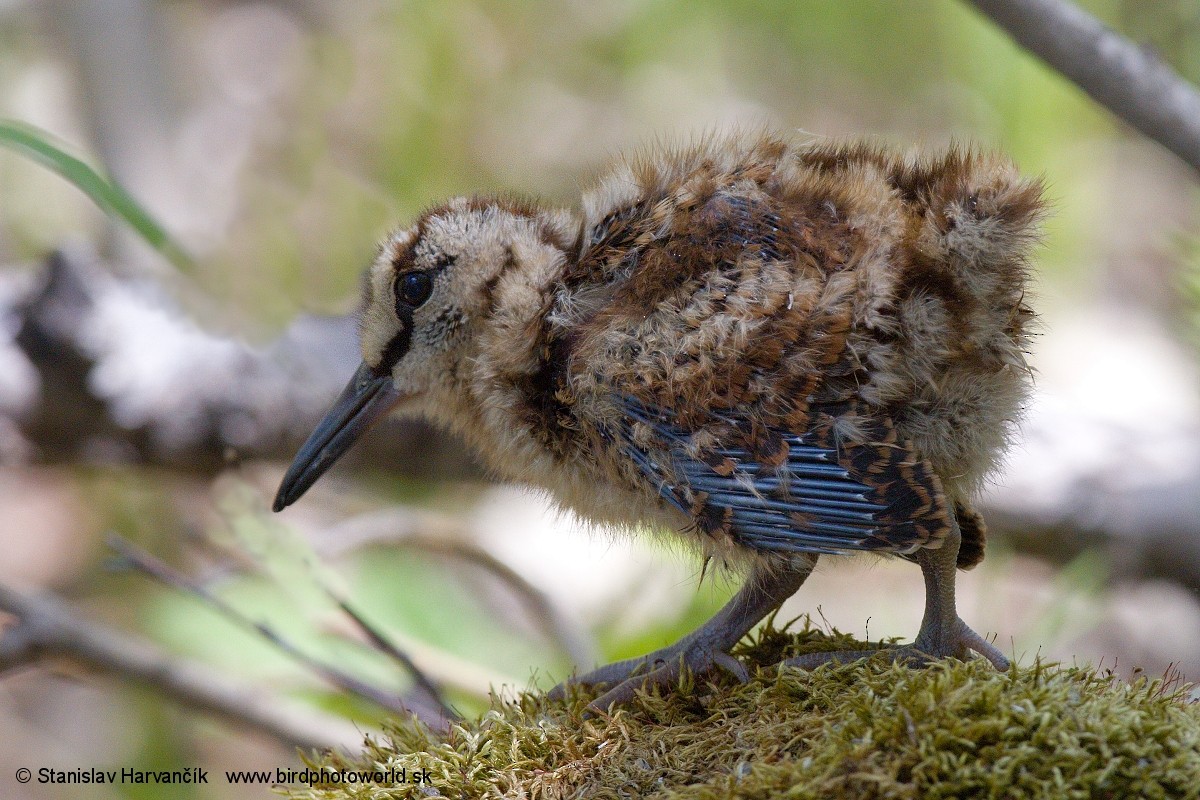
(704, 648)
(943, 633)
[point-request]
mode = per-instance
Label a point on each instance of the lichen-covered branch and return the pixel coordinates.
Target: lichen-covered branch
(99, 369)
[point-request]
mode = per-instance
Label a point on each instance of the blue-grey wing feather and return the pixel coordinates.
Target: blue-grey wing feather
(810, 502)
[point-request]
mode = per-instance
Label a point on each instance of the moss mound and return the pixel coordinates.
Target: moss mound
(871, 729)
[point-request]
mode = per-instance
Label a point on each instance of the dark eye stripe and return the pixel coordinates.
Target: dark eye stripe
(410, 290)
(396, 348)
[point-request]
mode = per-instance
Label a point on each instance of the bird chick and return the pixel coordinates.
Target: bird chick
(777, 349)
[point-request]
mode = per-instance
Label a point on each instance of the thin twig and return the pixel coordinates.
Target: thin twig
(432, 692)
(430, 689)
(540, 608)
(437, 534)
(45, 627)
(343, 680)
(1130, 81)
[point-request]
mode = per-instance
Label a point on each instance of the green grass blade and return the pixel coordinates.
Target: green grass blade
(39, 146)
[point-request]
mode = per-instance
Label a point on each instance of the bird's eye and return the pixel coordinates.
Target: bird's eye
(415, 288)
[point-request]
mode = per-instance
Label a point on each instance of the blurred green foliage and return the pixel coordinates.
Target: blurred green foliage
(40, 147)
(387, 108)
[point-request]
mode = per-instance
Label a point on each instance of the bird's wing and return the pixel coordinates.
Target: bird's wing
(812, 491)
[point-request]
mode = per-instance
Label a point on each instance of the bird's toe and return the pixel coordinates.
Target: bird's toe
(958, 640)
(662, 669)
(952, 641)
(610, 674)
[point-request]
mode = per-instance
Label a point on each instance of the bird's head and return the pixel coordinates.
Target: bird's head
(430, 293)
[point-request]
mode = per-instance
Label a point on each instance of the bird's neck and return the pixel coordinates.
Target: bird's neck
(505, 398)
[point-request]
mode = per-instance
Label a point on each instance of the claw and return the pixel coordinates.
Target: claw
(731, 665)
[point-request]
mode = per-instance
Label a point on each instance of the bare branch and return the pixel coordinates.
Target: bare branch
(424, 684)
(47, 628)
(1130, 81)
(169, 576)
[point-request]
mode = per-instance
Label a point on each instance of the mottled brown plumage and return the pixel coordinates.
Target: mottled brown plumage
(779, 349)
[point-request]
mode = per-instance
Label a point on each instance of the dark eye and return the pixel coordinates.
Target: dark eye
(415, 288)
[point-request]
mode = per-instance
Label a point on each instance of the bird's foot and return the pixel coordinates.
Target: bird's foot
(703, 649)
(955, 640)
(662, 669)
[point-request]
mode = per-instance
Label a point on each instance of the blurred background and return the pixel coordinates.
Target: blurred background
(279, 141)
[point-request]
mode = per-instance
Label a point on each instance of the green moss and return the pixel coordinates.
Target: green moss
(871, 729)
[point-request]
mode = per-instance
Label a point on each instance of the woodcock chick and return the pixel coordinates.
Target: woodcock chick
(777, 349)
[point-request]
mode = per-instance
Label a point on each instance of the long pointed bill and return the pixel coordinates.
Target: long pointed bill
(365, 399)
